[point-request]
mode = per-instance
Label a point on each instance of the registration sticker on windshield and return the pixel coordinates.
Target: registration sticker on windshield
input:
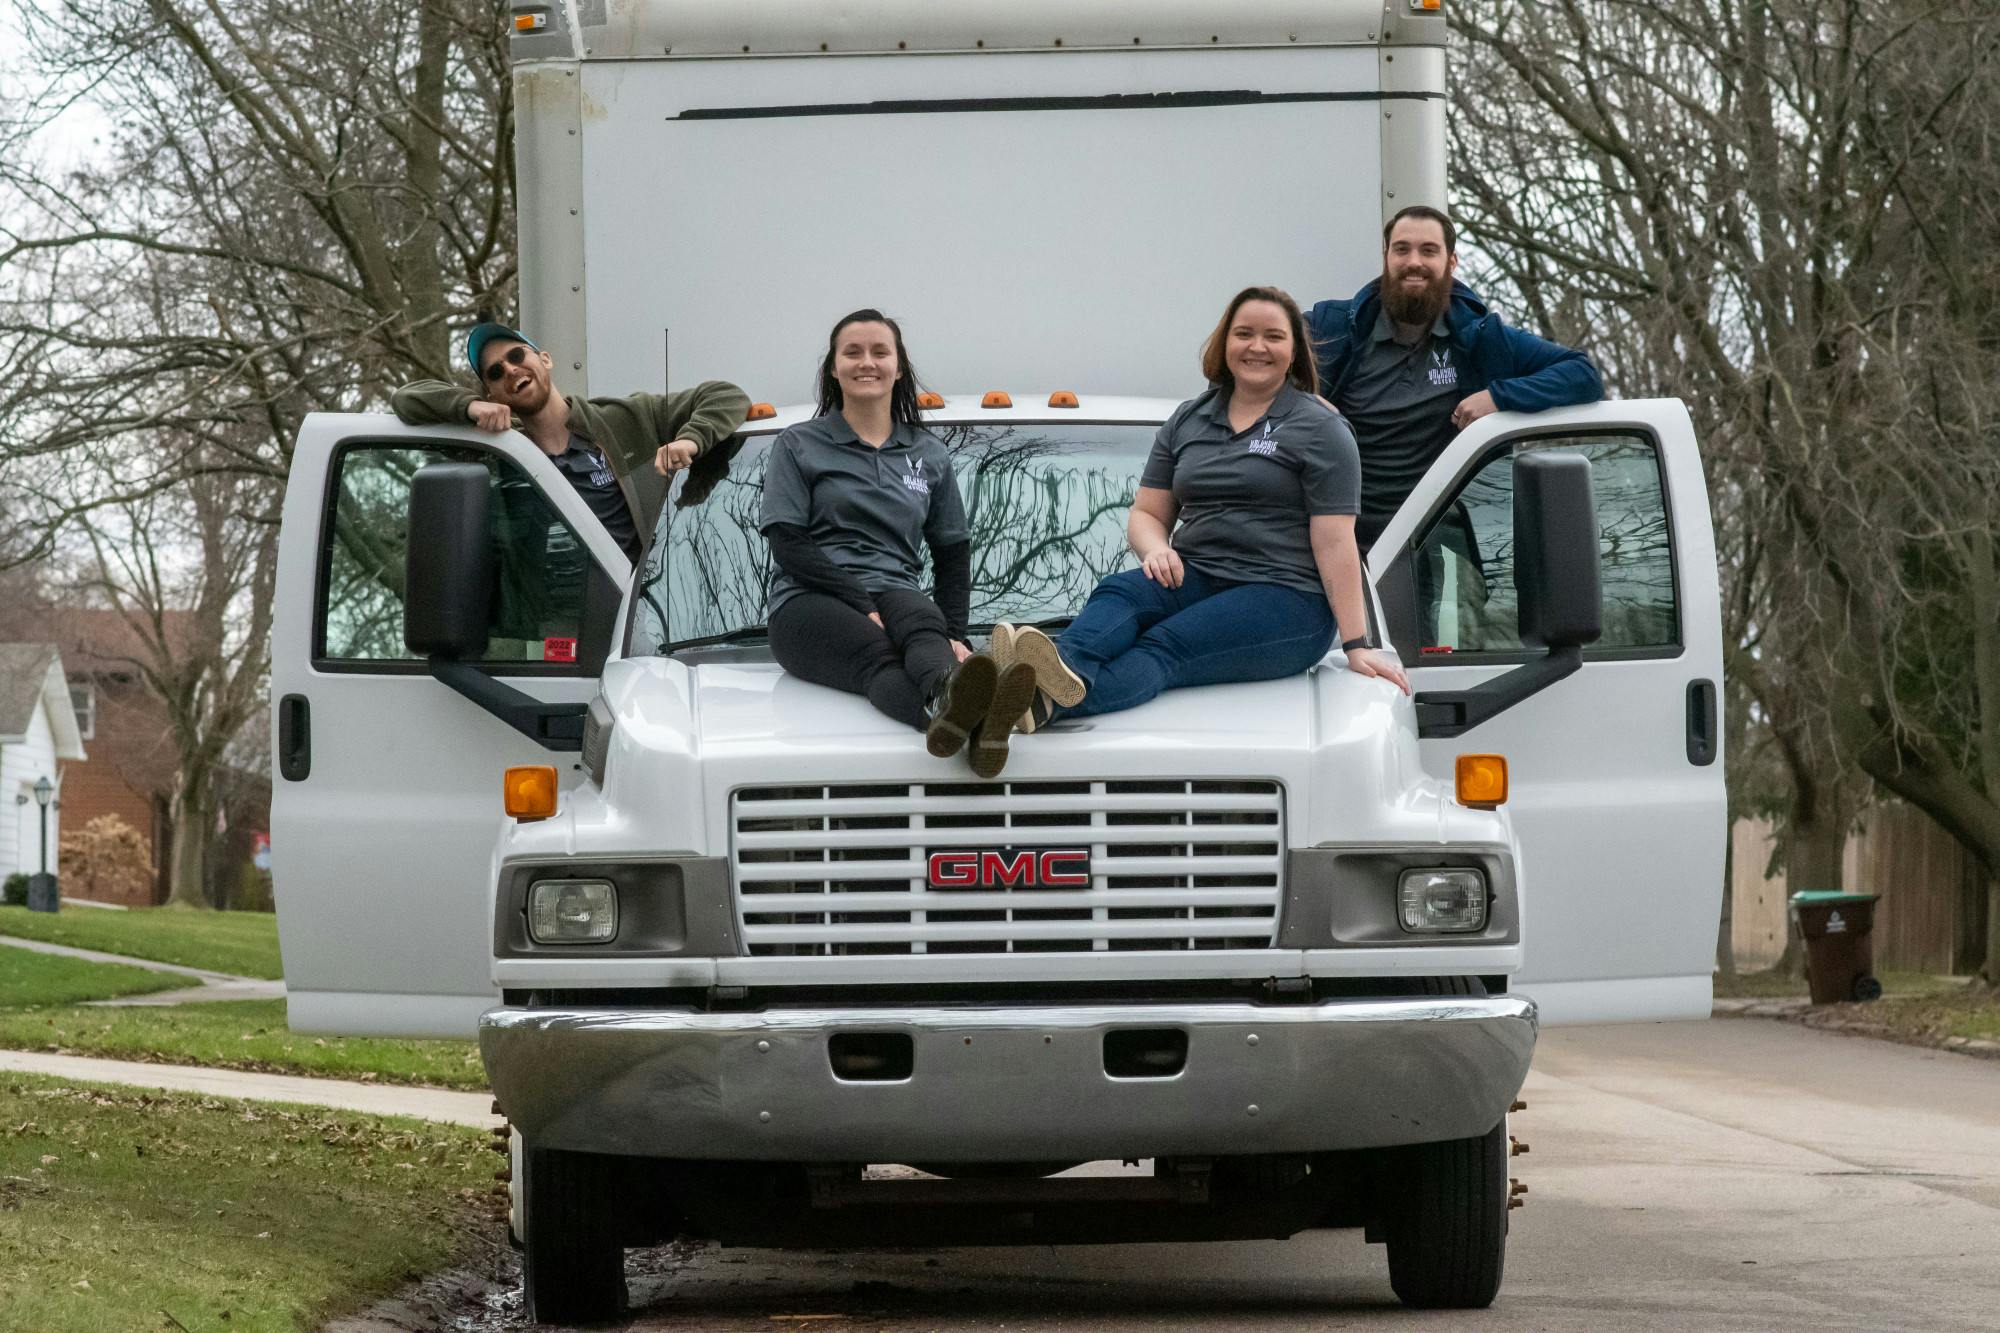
(559, 650)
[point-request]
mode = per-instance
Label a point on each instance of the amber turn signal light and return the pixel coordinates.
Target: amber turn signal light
(929, 402)
(760, 412)
(1482, 780)
(530, 791)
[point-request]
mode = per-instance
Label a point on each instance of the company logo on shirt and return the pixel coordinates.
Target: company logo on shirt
(914, 478)
(600, 471)
(1442, 371)
(1266, 444)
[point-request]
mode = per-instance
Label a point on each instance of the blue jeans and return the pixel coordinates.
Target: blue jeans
(1134, 637)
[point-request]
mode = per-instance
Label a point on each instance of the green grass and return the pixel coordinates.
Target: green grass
(128, 1210)
(240, 1034)
(29, 978)
(242, 943)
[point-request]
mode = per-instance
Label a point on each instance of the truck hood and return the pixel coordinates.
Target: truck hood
(728, 708)
(688, 734)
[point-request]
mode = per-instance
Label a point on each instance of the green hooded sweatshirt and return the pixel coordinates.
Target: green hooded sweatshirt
(629, 430)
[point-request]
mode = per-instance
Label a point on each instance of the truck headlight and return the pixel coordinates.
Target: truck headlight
(572, 911)
(1442, 902)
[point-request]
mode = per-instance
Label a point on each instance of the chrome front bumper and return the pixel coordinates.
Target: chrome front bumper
(1008, 1084)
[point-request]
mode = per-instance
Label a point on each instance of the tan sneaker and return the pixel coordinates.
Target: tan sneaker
(1027, 644)
(1001, 645)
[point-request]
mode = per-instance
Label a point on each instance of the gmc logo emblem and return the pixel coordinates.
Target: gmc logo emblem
(1011, 868)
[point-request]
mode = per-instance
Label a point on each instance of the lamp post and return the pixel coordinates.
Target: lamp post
(44, 791)
(43, 895)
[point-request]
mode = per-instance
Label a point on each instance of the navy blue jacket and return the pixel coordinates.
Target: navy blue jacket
(1524, 373)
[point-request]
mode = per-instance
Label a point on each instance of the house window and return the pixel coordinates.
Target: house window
(83, 698)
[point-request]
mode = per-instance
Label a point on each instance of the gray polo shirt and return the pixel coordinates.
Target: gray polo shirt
(1245, 497)
(1399, 400)
(867, 508)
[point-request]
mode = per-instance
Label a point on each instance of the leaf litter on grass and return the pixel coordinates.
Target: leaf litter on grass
(280, 1214)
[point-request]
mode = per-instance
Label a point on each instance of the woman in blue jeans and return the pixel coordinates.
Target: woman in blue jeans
(1260, 576)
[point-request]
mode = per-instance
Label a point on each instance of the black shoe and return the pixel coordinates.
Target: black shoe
(960, 705)
(1040, 713)
(1010, 699)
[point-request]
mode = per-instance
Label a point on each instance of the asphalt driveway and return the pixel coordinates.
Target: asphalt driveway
(1735, 1174)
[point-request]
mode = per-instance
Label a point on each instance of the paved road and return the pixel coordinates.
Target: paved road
(1731, 1175)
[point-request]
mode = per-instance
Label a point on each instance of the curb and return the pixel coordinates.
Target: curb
(1844, 1019)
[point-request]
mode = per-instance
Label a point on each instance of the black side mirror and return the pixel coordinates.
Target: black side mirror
(448, 566)
(1556, 573)
(1557, 580)
(448, 578)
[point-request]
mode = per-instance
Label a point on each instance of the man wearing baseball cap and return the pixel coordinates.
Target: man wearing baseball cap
(602, 445)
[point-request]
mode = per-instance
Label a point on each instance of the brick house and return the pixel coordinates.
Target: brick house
(130, 771)
(131, 764)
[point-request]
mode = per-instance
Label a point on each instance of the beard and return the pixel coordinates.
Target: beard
(1421, 306)
(529, 400)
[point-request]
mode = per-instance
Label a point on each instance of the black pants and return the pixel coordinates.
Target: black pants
(898, 664)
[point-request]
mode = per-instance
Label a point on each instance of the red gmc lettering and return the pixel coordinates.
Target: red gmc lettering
(998, 868)
(1066, 869)
(955, 870)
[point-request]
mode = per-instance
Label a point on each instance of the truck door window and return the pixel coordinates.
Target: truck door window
(541, 565)
(1464, 565)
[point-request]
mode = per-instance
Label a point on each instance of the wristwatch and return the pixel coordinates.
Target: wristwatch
(1364, 641)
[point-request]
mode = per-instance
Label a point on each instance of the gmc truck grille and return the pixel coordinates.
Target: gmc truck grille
(1172, 864)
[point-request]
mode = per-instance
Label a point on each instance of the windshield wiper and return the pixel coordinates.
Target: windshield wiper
(741, 634)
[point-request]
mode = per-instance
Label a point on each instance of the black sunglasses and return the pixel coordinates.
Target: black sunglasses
(517, 355)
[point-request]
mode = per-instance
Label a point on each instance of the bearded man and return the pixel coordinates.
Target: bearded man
(603, 446)
(1416, 356)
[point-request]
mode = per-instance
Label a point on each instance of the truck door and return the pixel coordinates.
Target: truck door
(387, 796)
(1616, 771)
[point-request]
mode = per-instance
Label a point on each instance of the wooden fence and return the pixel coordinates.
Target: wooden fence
(1932, 917)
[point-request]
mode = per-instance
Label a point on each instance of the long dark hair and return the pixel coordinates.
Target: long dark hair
(902, 396)
(1304, 370)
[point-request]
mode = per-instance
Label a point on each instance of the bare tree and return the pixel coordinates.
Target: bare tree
(297, 205)
(1773, 211)
(190, 572)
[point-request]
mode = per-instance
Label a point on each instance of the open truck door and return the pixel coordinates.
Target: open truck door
(1616, 769)
(388, 787)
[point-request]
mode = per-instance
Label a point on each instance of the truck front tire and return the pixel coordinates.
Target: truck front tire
(573, 1255)
(1446, 1221)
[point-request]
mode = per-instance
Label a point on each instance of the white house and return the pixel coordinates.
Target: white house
(38, 732)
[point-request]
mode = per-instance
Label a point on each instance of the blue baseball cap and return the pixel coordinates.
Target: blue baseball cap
(475, 341)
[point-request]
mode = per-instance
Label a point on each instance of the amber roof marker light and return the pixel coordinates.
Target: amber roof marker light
(760, 412)
(1062, 398)
(996, 399)
(929, 402)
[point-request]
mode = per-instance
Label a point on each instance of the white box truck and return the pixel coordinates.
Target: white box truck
(723, 985)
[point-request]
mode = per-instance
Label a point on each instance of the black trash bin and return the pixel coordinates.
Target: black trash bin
(1840, 947)
(43, 895)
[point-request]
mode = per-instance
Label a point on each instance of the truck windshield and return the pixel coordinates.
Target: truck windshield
(1045, 504)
